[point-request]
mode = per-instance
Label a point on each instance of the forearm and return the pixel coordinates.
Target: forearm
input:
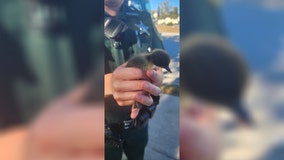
(13, 141)
(108, 89)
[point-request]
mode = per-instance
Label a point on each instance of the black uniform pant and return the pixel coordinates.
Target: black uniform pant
(135, 141)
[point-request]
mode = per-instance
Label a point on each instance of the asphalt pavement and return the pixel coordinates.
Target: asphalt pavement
(163, 141)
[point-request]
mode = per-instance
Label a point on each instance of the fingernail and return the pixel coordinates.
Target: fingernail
(146, 86)
(134, 113)
(138, 97)
(158, 92)
(152, 73)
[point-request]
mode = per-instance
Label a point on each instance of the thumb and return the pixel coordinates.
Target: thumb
(134, 112)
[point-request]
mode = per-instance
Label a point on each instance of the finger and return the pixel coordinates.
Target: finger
(156, 76)
(134, 112)
(151, 88)
(128, 73)
(138, 85)
(125, 103)
(127, 96)
(144, 99)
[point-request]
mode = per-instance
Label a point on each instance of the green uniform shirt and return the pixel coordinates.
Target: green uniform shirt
(129, 46)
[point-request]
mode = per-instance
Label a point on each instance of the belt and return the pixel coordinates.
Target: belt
(113, 136)
(140, 121)
(113, 131)
(118, 127)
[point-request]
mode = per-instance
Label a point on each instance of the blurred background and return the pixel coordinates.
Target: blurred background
(47, 47)
(256, 29)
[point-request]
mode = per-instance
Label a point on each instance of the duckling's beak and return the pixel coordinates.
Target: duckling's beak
(168, 69)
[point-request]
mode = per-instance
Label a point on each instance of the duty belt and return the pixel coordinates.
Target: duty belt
(113, 131)
(141, 120)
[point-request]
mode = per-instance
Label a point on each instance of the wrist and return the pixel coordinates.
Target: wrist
(107, 85)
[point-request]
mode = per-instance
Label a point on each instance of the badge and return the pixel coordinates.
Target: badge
(143, 28)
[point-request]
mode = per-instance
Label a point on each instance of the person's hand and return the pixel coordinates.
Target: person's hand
(132, 84)
(76, 133)
(68, 129)
(155, 75)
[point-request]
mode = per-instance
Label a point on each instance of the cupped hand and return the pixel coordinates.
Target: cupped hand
(133, 84)
(68, 129)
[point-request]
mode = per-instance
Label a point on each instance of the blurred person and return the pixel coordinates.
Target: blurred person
(128, 31)
(216, 76)
(70, 126)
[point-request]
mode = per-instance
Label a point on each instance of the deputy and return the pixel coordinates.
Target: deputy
(129, 30)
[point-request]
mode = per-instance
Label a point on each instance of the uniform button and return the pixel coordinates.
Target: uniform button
(116, 44)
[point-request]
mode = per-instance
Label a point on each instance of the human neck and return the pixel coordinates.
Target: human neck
(113, 7)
